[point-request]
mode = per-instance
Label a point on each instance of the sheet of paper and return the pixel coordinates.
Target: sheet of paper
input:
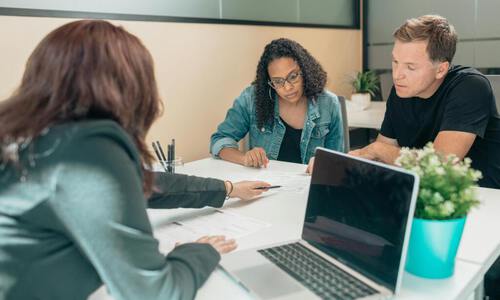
(289, 181)
(217, 222)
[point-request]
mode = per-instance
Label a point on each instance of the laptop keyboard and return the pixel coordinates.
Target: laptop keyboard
(320, 276)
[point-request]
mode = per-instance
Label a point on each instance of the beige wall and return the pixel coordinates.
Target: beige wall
(200, 68)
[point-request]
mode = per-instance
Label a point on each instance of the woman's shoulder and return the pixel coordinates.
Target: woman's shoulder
(327, 100)
(249, 90)
(248, 94)
(246, 99)
(71, 137)
(80, 130)
(327, 96)
(62, 146)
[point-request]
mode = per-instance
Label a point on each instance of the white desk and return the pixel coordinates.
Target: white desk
(285, 211)
(481, 239)
(372, 117)
(291, 207)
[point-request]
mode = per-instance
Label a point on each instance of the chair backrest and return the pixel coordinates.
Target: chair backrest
(385, 84)
(345, 125)
(495, 85)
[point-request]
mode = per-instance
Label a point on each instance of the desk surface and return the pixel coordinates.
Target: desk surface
(371, 117)
(285, 211)
(481, 241)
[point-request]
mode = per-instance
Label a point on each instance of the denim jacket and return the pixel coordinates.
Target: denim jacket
(322, 127)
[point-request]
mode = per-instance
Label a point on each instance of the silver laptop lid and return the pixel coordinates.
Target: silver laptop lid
(360, 213)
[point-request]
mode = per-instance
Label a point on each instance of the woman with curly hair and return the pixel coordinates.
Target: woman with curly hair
(286, 111)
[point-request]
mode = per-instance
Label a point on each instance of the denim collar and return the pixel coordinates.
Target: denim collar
(312, 109)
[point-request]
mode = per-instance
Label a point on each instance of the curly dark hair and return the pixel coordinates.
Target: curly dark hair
(314, 77)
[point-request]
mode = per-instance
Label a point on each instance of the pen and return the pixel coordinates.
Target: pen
(160, 149)
(267, 187)
(162, 154)
(169, 158)
(173, 156)
(158, 155)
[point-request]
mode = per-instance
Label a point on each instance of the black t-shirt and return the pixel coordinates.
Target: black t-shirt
(290, 146)
(463, 102)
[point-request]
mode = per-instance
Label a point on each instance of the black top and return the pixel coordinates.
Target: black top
(464, 102)
(290, 146)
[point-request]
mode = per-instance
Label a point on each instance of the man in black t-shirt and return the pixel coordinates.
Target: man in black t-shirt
(431, 100)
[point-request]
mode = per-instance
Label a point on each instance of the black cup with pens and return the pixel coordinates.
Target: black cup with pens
(168, 163)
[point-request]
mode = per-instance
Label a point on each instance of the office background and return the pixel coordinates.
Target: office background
(476, 22)
(339, 13)
(206, 51)
(201, 67)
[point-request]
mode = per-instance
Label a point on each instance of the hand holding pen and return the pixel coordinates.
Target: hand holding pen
(247, 190)
(268, 187)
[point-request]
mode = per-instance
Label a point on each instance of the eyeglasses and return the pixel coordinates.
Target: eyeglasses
(279, 83)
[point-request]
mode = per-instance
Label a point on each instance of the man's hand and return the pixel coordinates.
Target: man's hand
(366, 152)
(384, 149)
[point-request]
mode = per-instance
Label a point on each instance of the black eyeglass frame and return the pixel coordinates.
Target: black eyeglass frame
(285, 80)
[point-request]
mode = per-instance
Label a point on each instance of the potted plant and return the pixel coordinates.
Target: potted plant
(365, 85)
(445, 197)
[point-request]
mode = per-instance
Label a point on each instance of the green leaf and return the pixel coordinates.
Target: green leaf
(365, 82)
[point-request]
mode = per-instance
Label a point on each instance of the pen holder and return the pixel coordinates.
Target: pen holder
(172, 165)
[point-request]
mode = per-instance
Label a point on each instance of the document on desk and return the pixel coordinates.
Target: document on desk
(217, 222)
(290, 181)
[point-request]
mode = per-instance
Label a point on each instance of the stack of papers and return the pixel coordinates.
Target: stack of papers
(216, 222)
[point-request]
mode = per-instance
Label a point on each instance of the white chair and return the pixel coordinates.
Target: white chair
(345, 125)
(385, 84)
(495, 85)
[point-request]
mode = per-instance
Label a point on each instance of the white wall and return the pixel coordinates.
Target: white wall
(477, 23)
(200, 68)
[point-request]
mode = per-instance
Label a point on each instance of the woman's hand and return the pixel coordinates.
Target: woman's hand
(256, 158)
(219, 243)
(310, 166)
(247, 190)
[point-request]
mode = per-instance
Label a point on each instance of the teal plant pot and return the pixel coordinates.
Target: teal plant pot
(433, 247)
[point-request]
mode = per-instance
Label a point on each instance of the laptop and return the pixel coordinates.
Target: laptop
(354, 237)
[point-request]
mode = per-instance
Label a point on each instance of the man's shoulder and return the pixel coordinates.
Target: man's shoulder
(459, 69)
(464, 74)
(463, 82)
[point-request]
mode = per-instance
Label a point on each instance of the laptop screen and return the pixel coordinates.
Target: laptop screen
(358, 212)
